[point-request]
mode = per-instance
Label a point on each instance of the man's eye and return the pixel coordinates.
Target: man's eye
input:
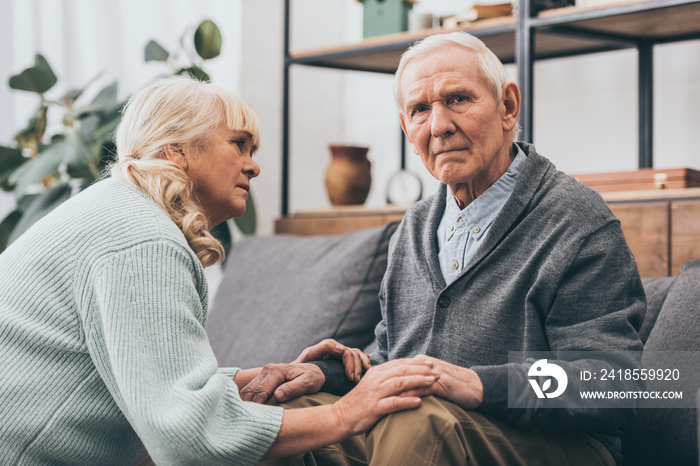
(239, 142)
(460, 98)
(420, 109)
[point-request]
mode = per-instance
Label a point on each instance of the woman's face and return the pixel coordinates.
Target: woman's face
(221, 173)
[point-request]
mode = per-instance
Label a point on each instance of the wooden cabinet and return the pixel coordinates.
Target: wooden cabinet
(647, 231)
(662, 227)
(685, 233)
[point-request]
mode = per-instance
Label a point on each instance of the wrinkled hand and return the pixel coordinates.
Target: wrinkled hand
(354, 360)
(286, 381)
(384, 389)
(457, 384)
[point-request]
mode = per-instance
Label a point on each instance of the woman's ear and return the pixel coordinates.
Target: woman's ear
(175, 154)
(511, 102)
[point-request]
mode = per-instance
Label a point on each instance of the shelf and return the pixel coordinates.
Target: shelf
(382, 54)
(656, 20)
(559, 32)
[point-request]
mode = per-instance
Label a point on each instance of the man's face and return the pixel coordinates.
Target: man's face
(452, 120)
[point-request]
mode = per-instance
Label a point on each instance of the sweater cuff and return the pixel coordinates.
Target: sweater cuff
(336, 382)
(229, 372)
(494, 380)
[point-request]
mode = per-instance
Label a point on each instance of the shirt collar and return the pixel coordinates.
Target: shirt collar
(485, 208)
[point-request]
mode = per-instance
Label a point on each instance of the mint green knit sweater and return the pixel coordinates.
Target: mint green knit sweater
(103, 350)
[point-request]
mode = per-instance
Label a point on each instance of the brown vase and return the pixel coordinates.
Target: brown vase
(348, 177)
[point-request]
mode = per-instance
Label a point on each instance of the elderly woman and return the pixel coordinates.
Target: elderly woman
(103, 306)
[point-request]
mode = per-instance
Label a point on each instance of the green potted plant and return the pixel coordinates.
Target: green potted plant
(42, 170)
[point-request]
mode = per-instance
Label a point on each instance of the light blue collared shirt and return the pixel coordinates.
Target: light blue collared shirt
(461, 232)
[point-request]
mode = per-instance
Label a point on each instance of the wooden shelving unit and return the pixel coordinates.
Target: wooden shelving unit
(524, 39)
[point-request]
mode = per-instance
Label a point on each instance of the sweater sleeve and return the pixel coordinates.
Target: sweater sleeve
(145, 333)
(599, 304)
(336, 382)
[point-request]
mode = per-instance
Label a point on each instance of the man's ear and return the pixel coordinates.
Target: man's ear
(175, 154)
(403, 127)
(511, 102)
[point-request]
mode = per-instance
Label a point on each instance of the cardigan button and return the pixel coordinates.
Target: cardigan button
(444, 301)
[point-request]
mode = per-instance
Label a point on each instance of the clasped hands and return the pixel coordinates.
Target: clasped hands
(287, 381)
(460, 385)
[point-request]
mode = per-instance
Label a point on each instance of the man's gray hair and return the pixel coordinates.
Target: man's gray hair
(491, 67)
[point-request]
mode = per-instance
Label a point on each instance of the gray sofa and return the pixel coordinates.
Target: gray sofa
(280, 294)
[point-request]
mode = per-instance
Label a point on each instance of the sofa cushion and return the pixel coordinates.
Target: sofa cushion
(669, 436)
(280, 294)
(656, 289)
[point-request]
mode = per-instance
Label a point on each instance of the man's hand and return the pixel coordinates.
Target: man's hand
(286, 381)
(457, 384)
(355, 361)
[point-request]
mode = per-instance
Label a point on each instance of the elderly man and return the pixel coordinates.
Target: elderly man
(509, 255)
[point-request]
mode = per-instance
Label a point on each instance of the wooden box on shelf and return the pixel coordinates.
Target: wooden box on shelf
(642, 179)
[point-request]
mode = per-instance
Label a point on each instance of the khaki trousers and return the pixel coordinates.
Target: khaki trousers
(441, 433)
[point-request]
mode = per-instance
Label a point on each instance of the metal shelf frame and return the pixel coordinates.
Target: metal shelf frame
(588, 29)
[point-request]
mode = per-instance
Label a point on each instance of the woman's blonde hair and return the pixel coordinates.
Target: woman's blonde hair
(183, 113)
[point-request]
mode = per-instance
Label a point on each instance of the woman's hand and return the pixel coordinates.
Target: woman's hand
(383, 390)
(354, 360)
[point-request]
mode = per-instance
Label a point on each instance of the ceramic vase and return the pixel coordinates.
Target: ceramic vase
(348, 177)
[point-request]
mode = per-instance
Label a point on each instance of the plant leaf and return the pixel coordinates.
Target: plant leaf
(108, 154)
(73, 94)
(76, 155)
(38, 168)
(38, 78)
(108, 95)
(107, 126)
(76, 93)
(7, 225)
(155, 52)
(41, 63)
(10, 160)
(196, 72)
(248, 222)
(23, 203)
(33, 133)
(207, 40)
(104, 102)
(40, 206)
(222, 232)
